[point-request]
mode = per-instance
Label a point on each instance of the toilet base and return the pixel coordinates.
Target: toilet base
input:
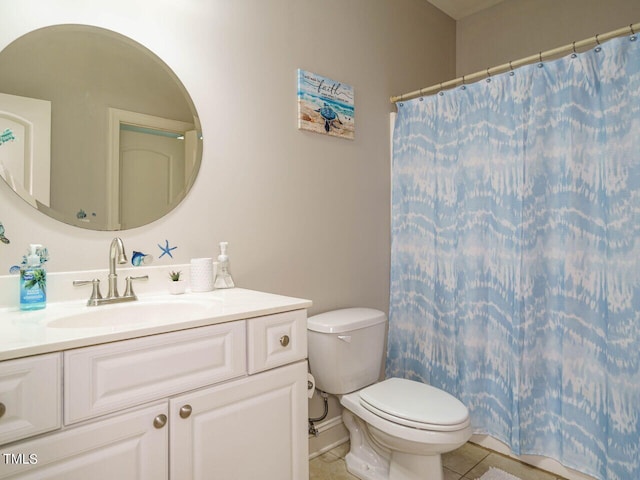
(405, 466)
(364, 460)
(368, 460)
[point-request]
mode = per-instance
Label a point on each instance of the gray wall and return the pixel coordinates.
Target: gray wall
(519, 28)
(305, 214)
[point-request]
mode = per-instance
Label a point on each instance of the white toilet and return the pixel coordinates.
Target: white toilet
(398, 428)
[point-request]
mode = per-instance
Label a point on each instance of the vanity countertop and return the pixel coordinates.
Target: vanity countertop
(60, 325)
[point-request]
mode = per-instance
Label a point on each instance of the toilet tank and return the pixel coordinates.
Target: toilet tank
(346, 348)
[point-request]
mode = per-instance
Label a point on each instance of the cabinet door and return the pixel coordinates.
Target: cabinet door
(123, 447)
(248, 429)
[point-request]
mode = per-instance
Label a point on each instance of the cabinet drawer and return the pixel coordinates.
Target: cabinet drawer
(106, 378)
(276, 340)
(30, 396)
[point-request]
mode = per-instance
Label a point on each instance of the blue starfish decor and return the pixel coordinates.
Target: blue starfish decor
(166, 250)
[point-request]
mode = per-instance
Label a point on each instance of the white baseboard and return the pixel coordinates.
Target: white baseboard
(328, 424)
(331, 433)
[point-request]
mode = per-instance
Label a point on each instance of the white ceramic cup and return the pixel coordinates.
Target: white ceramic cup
(201, 274)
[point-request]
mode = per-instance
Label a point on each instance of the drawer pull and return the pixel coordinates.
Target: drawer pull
(284, 340)
(160, 421)
(185, 411)
(2, 409)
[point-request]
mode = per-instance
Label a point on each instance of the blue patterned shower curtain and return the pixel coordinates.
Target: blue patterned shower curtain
(515, 279)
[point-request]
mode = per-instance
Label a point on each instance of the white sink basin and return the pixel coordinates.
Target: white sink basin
(136, 313)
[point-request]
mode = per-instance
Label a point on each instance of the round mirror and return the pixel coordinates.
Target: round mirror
(95, 129)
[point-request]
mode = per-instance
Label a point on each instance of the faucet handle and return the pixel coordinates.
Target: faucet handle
(95, 293)
(128, 291)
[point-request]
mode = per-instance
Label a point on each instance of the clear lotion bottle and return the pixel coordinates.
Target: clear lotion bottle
(223, 277)
(33, 282)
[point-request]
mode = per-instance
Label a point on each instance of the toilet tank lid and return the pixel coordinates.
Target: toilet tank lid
(345, 320)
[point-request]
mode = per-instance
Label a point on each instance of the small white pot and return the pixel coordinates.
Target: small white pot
(177, 288)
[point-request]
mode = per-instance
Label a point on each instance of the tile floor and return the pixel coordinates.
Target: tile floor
(467, 463)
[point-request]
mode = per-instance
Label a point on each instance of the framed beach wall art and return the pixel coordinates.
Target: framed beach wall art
(325, 106)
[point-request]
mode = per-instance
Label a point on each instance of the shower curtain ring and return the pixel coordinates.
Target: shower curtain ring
(511, 72)
(540, 65)
(631, 28)
(598, 48)
(574, 54)
(463, 87)
(488, 75)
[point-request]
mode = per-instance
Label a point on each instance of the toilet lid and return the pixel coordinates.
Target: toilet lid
(415, 404)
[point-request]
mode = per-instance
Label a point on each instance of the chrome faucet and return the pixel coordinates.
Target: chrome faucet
(116, 250)
(116, 253)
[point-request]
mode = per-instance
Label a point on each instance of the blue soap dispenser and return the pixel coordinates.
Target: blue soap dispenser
(33, 281)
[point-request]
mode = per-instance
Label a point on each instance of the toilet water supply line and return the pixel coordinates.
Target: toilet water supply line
(312, 428)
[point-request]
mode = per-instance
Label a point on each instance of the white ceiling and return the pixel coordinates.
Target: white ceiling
(458, 9)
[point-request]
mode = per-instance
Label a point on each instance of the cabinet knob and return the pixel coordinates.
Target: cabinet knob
(160, 421)
(185, 411)
(2, 409)
(284, 340)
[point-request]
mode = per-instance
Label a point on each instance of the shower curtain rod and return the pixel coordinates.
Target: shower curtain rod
(631, 29)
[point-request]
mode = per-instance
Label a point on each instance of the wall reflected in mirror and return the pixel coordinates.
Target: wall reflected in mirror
(100, 133)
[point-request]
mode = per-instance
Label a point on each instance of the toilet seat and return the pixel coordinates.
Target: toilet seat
(423, 436)
(416, 405)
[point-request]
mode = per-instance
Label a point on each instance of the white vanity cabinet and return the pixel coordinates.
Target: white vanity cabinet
(224, 401)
